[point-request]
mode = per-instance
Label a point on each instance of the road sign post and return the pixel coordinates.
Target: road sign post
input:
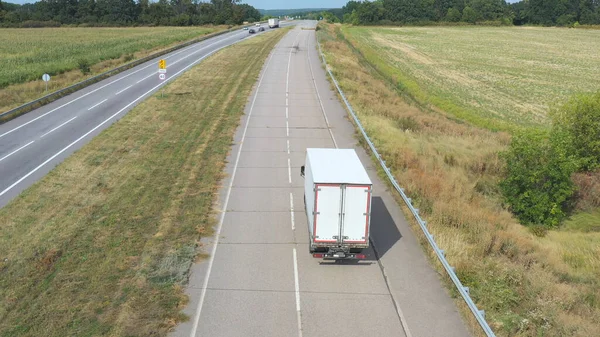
(162, 72)
(46, 78)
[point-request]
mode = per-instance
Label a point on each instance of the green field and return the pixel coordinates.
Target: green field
(491, 76)
(27, 54)
(102, 245)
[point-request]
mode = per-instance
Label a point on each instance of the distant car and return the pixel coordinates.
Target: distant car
(245, 28)
(261, 29)
(252, 31)
(257, 24)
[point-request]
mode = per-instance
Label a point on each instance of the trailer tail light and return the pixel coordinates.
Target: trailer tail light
(318, 255)
(361, 256)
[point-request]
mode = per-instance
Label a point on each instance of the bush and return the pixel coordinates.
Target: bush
(84, 66)
(408, 124)
(453, 15)
(39, 24)
(579, 120)
(538, 186)
(470, 15)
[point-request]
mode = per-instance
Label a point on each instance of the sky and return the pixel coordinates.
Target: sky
(265, 4)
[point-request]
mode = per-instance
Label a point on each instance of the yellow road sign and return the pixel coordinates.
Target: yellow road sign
(162, 64)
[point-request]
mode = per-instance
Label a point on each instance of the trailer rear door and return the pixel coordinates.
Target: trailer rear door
(328, 206)
(357, 204)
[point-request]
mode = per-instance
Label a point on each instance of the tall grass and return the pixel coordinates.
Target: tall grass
(102, 245)
(528, 285)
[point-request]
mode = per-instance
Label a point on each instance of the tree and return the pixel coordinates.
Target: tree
(409, 10)
(250, 13)
(370, 12)
(453, 15)
(350, 7)
(470, 15)
(538, 186)
(579, 120)
(489, 9)
(2, 12)
(330, 17)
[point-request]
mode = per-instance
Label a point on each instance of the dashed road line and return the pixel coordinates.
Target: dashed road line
(56, 128)
(17, 150)
(97, 104)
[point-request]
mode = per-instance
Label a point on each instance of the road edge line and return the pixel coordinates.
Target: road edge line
(224, 211)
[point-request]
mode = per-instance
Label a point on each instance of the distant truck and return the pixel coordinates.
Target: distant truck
(273, 23)
(337, 201)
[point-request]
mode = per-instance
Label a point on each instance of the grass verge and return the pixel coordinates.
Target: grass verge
(102, 245)
(529, 284)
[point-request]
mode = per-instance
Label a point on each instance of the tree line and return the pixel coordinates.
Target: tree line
(126, 13)
(537, 12)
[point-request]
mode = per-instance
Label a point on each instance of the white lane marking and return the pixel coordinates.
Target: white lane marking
(287, 128)
(17, 150)
(297, 289)
(288, 146)
(287, 77)
(56, 128)
(118, 92)
(289, 171)
(97, 104)
(312, 74)
(287, 111)
(147, 77)
(108, 119)
(292, 211)
(220, 226)
(396, 304)
(104, 86)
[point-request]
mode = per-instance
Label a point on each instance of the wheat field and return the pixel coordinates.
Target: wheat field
(27, 54)
(491, 76)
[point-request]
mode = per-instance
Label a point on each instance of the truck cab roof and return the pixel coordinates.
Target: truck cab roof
(336, 166)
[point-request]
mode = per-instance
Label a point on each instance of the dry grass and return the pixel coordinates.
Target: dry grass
(102, 245)
(495, 77)
(528, 285)
(29, 53)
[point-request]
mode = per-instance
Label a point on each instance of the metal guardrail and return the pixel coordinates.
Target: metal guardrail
(464, 291)
(27, 107)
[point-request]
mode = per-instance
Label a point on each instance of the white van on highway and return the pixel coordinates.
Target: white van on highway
(337, 201)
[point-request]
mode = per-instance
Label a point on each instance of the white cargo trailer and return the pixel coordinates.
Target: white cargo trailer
(273, 23)
(337, 199)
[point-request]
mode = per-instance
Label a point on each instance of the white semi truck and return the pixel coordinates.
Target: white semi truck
(337, 199)
(273, 23)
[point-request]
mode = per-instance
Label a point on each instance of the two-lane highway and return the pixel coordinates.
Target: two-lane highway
(260, 279)
(33, 144)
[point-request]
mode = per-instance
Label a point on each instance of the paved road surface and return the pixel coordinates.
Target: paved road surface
(33, 144)
(260, 279)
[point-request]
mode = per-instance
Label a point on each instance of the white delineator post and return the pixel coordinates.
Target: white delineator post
(46, 78)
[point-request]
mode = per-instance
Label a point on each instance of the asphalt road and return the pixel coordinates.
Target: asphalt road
(33, 144)
(260, 279)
